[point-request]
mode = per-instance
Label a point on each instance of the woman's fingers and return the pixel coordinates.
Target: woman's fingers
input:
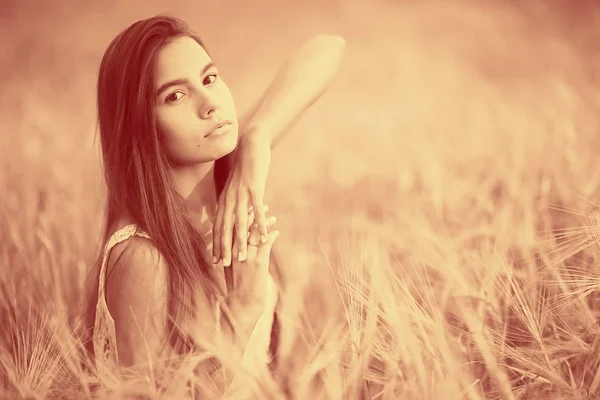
(252, 217)
(260, 217)
(227, 230)
(252, 239)
(217, 229)
(254, 232)
(264, 251)
(241, 226)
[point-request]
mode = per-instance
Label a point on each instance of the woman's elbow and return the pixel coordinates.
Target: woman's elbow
(334, 42)
(329, 49)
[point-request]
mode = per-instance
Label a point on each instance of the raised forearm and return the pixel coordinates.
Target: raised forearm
(239, 321)
(234, 324)
(296, 86)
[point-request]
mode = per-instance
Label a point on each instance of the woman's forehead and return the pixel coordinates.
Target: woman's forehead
(181, 57)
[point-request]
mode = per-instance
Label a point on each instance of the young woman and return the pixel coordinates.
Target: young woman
(177, 157)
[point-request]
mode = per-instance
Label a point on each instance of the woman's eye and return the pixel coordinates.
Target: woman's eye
(208, 81)
(173, 97)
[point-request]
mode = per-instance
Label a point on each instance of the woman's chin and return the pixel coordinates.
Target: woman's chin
(225, 145)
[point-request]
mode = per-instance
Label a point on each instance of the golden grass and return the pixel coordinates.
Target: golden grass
(446, 248)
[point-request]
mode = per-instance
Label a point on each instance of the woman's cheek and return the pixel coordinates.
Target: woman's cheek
(174, 126)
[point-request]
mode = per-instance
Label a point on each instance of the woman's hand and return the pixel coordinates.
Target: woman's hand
(245, 187)
(247, 280)
(300, 81)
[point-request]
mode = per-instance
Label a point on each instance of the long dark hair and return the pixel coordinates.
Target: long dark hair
(138, 174)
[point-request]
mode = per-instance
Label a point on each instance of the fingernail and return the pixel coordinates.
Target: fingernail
(226, 262)
(240, 256)
(215, 259)
(263, 239)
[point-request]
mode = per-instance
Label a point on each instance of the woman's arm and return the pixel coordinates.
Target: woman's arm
(297, 85)
(136, 291)
(136, 296)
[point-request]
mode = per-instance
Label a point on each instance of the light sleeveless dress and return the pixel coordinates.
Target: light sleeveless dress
(104, 338)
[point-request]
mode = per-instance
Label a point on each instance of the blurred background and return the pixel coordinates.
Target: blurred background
(425, 87)
(449, 122)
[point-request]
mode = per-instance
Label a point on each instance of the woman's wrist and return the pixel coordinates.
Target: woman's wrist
(244, 311)
(257, 133)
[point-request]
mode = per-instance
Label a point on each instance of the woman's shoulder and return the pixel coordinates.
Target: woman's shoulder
(136, 271)
(132, 254)
(136, 297)
(136, 258)
(130, 245)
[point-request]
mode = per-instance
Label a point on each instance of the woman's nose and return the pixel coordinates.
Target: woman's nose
(208, 105)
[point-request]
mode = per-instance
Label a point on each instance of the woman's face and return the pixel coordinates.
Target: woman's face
(196, 113)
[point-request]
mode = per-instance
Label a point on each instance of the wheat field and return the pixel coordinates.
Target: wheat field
(437, 206)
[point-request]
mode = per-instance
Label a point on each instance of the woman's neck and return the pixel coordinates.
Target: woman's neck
(196, 184)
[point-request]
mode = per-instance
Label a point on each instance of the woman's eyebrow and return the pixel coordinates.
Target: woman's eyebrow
(182, 81)
(167, 85)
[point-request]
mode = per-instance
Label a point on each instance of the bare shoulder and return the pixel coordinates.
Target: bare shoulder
(136, 295)
(136, 258)
(136, 280)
